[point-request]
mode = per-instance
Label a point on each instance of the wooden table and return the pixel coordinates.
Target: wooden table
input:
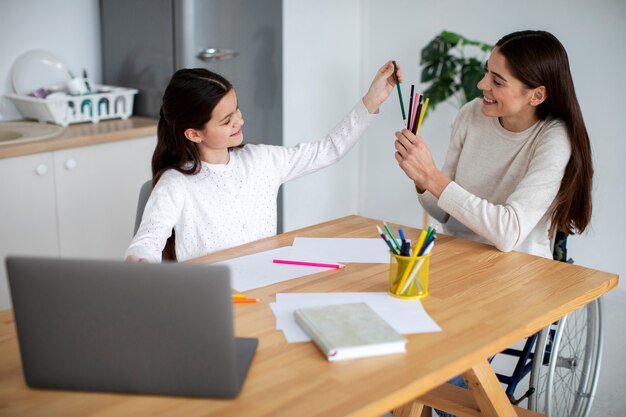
(483, 299)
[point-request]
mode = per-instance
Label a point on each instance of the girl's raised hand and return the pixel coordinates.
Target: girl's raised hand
(382, 85)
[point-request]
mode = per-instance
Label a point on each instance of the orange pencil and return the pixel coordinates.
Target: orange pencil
(245, 300)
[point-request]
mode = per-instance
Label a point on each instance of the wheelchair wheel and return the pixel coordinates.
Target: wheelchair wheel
(566, 363)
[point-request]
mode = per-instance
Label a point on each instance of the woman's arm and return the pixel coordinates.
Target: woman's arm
(508, 224)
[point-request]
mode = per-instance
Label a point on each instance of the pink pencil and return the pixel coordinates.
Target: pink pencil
(287, 262)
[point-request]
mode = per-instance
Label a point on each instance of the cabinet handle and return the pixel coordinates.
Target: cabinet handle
(41, 169)
(70, 164)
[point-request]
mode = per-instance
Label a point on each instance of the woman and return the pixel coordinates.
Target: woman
(519, 166)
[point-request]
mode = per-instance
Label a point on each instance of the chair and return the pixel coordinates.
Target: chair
(144, 194)
(169, 252)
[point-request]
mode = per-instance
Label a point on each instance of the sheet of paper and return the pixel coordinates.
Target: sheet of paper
(405, 316)
(258, 270)
(363, 250)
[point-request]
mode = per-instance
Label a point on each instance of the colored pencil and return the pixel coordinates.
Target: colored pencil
(303, 263)
(393, 238)
(416, 269)
(384, 236)
(408, 123)
(395, 74)
(245, 300)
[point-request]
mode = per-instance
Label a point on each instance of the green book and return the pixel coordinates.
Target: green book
(349, 331)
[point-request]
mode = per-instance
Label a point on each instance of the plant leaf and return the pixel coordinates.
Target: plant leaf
(435, 51)
(451, 37)
(440, 69)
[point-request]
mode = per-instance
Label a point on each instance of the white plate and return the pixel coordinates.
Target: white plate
(38, 69)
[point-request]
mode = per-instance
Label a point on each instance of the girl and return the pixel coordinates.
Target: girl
(519, 165)
(211, 190)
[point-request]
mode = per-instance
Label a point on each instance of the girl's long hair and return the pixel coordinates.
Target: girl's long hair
(537, 58)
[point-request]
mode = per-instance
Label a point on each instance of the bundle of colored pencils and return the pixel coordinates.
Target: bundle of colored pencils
(417, 106)
(424, 244)
(417, 109)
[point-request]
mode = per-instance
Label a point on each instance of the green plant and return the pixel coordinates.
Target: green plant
(452, 66)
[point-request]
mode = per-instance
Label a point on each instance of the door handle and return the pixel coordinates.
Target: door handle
(216, 54)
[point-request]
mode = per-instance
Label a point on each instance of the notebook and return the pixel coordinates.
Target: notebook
(128, 327)
(349, 331)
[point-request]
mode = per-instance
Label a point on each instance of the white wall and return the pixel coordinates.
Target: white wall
(69, 29)
(321, 70)
(594, 35)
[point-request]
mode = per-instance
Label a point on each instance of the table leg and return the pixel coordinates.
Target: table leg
(412, 409)
(487, 391)
(485, 397)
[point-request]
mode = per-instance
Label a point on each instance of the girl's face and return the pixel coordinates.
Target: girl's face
(221, 132)
(508, 98)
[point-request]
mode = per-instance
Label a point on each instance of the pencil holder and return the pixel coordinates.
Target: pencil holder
(408, 276)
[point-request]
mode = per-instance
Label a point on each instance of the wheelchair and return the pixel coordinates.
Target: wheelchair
(563, 359)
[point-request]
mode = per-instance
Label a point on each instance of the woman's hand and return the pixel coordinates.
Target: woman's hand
(382, 85)
(416, 160)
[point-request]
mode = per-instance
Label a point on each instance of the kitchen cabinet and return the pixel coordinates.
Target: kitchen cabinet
(79, 202)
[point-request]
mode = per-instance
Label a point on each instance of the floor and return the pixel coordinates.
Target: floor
(610, 398)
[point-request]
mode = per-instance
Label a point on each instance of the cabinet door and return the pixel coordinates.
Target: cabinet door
(97, 191)
(27, 211)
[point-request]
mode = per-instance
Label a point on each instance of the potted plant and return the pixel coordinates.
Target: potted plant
(452, 65)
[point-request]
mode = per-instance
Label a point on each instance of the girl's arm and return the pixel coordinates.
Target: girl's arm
(305, 158)
(162, 212)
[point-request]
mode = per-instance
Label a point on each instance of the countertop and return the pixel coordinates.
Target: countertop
(85, 134)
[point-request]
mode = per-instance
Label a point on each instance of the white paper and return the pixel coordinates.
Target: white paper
(258, 270)
(358, 250)
(405, 316)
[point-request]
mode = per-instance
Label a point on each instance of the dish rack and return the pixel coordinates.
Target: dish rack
(108, 103)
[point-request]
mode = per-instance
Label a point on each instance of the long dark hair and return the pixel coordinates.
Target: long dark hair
(537, 58)
(188, 102)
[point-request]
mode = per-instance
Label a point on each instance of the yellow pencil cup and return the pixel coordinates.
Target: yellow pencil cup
(408, 277)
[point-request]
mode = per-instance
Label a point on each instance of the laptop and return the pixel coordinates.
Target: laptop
(115, 326)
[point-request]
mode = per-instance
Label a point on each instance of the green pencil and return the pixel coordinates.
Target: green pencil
(393, 238)
(395, 74)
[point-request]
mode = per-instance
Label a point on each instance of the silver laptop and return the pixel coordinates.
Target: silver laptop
(127, 327)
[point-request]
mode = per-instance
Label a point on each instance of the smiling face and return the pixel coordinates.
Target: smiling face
(222, 131)
(506, 97)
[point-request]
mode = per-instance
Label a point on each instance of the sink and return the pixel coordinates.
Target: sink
(13, 133)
